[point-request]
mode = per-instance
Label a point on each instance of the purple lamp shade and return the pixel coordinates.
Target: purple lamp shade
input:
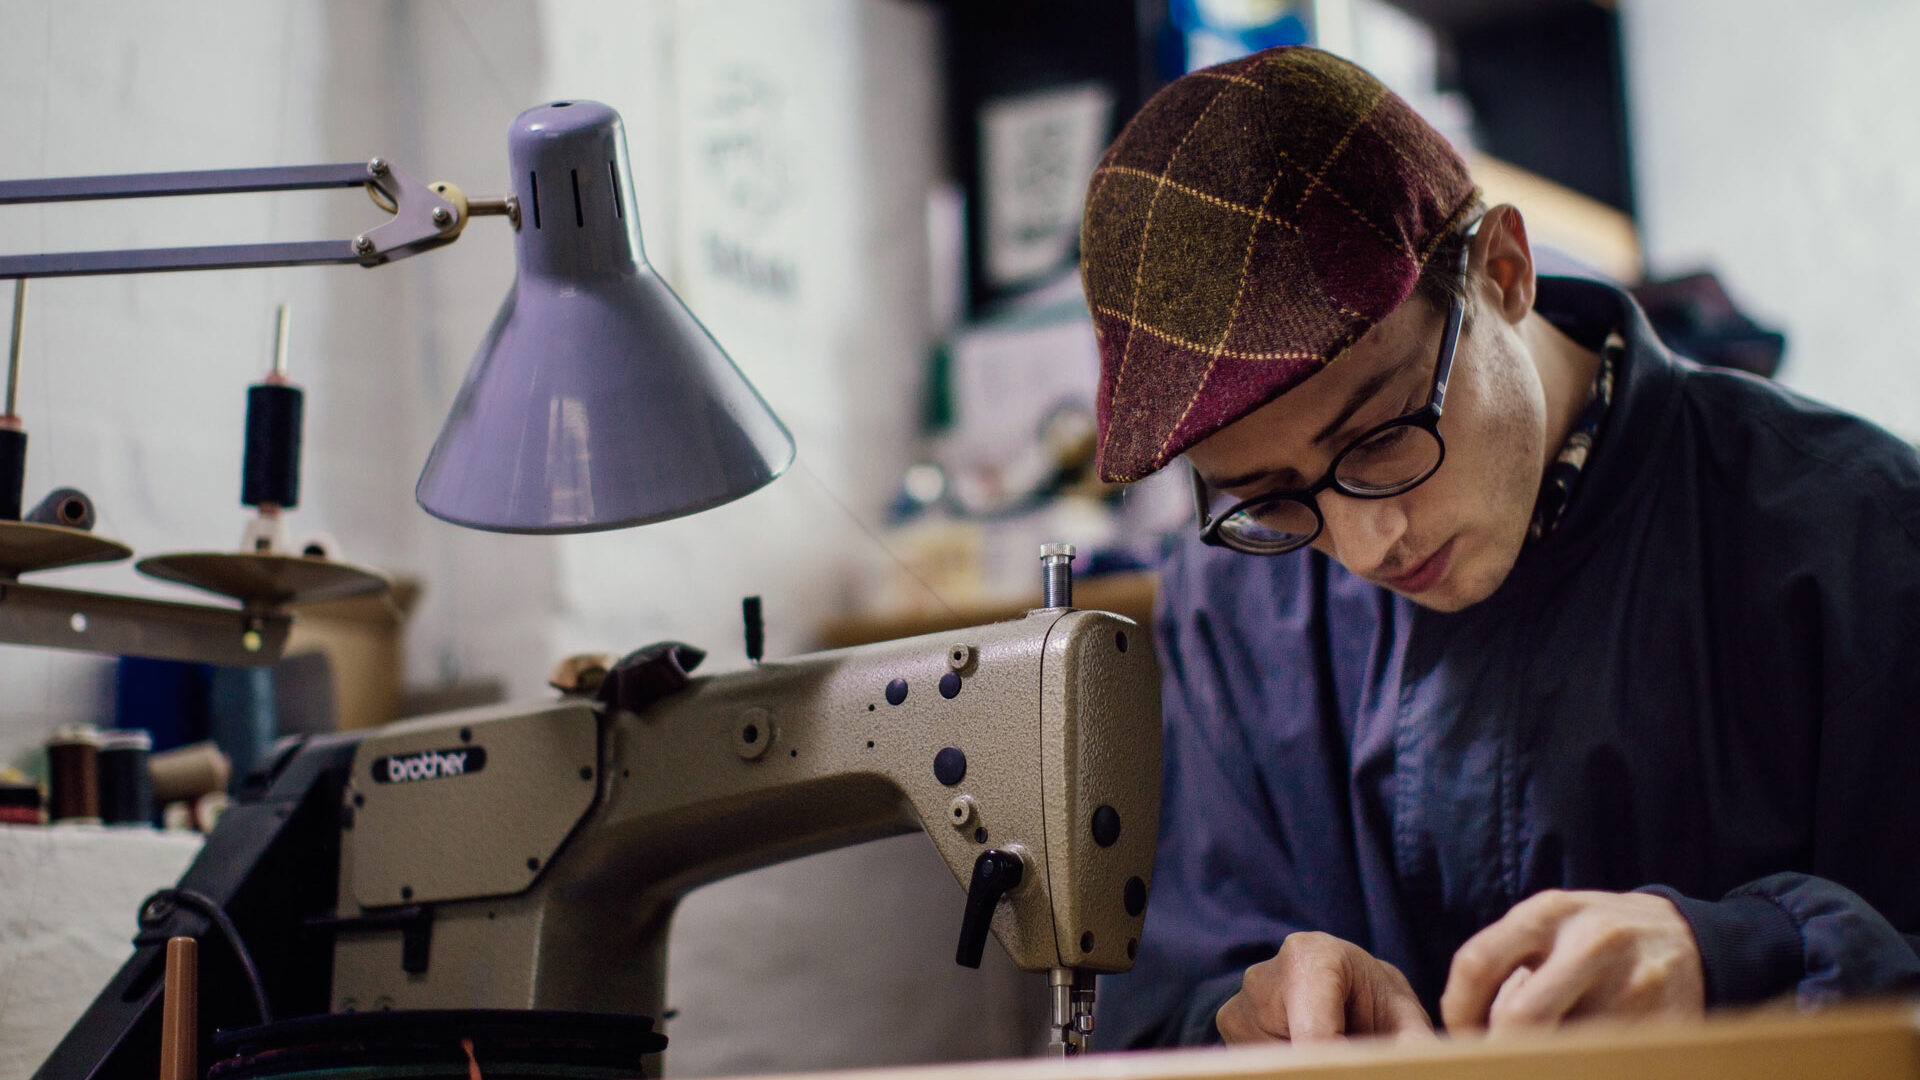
(596, 401)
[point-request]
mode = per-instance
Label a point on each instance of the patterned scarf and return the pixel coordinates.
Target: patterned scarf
(1556, 489)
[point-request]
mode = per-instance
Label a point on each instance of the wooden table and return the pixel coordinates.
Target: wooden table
(1873, 1042)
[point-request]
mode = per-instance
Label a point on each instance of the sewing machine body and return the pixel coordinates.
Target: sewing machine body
(530, 857)
(553, 871)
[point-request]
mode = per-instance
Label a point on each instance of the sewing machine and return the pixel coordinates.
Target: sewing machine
(531, 857)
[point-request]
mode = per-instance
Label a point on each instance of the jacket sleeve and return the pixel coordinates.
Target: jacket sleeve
(1844, 920)
(1216, 906)
(1796, 932)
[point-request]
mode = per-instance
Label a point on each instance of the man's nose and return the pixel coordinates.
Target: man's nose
(1362, 532)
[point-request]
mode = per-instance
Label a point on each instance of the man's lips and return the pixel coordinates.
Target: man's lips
(1424, 576)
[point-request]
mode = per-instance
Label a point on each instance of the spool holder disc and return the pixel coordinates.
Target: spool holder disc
(26, 546)
(260, 580)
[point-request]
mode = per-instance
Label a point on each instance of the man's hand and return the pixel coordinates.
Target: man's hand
(1559, 955)
(1320, 987)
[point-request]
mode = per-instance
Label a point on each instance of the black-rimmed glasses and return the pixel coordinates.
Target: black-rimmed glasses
(1390, 459)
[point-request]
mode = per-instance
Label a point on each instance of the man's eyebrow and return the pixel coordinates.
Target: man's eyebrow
(1247, 479)
(1358, 398)
(1361, 395)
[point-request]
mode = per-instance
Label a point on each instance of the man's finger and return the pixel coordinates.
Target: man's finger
(1507, 989)
(1401, 1014)
(1383, 1003)
(1523, 936)
(1238, 1021)
(1258, 1013)
(1578, 963)
(1315, 994)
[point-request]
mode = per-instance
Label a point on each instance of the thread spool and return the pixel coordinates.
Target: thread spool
(13, 467)
(20, 805)
(126, 787)
(208, 808)
(13, 437)
(188, 772)
(73, 759)
(270, 473)
(69, 507)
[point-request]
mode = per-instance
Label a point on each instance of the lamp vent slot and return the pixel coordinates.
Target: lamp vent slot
(533, 185)
(579, 219)
(613, 182)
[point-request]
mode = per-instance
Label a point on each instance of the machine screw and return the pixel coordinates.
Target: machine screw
(1056, 563)
(377, 167)
(753, 733)
(442, 216)
(363, 245)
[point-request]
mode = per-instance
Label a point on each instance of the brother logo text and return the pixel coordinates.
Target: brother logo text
(429, 765)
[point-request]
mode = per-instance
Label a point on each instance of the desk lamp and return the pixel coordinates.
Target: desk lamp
(597, 400)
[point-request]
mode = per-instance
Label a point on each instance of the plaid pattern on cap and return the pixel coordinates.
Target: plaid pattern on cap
(1250, 223)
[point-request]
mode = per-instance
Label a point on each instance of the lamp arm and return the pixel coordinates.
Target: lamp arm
(423, 218)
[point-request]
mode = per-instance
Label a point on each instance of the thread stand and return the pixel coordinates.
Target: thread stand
(26, 546)
(265, 580)
(265, 575)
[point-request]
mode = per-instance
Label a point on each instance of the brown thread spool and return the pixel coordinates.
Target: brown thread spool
(188, 772)
(73, 762)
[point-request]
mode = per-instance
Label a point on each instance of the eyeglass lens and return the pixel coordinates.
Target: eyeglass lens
(1384, 464)
(1388, 462)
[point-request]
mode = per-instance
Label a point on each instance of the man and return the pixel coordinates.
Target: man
(1521, 672)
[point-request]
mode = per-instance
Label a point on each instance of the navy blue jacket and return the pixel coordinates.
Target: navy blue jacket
(1705, 682)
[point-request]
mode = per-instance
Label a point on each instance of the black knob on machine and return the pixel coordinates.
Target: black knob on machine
(756, 628)
(995, 874)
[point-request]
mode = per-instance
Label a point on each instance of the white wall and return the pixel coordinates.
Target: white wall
(1777, 143)
(134, 387)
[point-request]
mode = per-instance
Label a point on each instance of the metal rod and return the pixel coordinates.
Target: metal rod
(157, 260)
(13, 354)
(283, 331)
(201, 182)
(1056, 582)
(496, 205)
(116, 625)
(422, 220)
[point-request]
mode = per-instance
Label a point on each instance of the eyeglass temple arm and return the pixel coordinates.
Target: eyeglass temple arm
(1456, 313)
(1450, 340)
(1199, 496)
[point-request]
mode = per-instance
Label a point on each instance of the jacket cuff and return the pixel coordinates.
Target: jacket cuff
(1750, 948)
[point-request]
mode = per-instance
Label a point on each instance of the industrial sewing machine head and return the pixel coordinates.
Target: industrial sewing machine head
(552, 845)
(531, 858)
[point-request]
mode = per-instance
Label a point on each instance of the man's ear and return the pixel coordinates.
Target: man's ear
(1502, 263)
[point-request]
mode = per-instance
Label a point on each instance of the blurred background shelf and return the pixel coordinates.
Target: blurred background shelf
(1564, 219)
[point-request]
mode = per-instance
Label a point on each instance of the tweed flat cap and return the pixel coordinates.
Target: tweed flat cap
(1247, 226)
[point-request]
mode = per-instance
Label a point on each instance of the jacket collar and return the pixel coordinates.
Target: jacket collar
(1634, 437)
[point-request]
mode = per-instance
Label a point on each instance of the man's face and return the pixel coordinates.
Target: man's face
(1450, 542)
